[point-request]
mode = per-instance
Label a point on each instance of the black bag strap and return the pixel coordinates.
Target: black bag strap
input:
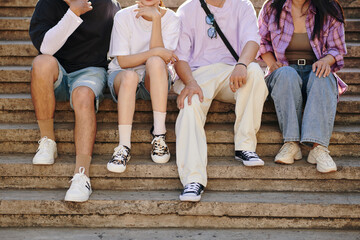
(217, 28)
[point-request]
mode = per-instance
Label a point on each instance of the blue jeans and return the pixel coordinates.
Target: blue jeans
(292, 86)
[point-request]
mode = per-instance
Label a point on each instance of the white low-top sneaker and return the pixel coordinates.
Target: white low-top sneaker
(46, 152)
(80, 189)
(324, 162)
(289, 152)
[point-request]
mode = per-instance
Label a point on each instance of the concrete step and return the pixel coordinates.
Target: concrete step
(24, 87)
(215, 133)
(45, 208)
(21, 138)
(170, 233)
(22, 102)
(22, 74)
(224, 174)
(26, 49)
(140, 149)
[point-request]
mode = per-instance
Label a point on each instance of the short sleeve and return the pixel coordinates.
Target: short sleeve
(120, 35)
(171, 32)
(184, 46)
(249, 28)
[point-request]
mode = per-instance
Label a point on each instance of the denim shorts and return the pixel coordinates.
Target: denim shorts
(141, 91)
(91, 77)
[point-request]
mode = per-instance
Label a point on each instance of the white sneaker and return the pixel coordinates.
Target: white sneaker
(160, 151)
(320, 156)
(289, 152)
(80, 189)
(46, 152)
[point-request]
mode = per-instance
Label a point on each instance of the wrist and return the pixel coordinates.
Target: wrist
(190, 81)
(75, 11)
(241, 64)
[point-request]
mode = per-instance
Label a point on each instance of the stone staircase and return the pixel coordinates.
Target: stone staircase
(270, 202)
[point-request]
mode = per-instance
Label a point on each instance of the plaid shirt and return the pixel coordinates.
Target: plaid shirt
(276, 40)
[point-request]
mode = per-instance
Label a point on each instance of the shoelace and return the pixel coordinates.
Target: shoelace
(119, 153)
(287, 147)
(192, 187)
(323, 152)
(159, 141)
(42, 143)
(250, 154)
(78, 175)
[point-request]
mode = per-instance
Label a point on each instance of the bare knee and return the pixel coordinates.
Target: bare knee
(129, 80)
(44, 66)
(155, 63)
(83, 99)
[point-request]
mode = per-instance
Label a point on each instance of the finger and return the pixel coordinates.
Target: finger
(244, 81)
(322, 71)
(176, 57)
(318, 68)
(201, 95)
(314, 67)
(236, 83)
(190, 97)
(327, 72)
(180, 100)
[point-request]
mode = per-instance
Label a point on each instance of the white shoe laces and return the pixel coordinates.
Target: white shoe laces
(250, 154)
(323, 155)
(160, 144)
(43, 143)
(78, 176)
(287, 148)
(119, 152)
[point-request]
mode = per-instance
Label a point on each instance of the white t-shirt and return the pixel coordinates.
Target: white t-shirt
(131, 35)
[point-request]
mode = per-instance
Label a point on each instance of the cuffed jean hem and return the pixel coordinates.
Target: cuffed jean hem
(291, 140)
(311, 141)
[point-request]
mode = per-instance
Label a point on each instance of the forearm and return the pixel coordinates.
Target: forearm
(329, 59)
(268, 58)
(56, 37)
(156, 35)
(134, 60)
(249, 52)
(184, 72)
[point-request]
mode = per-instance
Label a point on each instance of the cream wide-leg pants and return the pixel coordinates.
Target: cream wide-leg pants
(191, 147)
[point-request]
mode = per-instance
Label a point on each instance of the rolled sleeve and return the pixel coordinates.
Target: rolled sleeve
(335, 44)
(265, 41)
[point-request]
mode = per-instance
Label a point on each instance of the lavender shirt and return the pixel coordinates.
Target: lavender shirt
(236, 19)
(276, 40)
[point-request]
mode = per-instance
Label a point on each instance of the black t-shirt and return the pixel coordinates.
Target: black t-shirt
(89, 43)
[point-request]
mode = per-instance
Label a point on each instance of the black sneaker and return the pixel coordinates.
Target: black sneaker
(249, 158)
(119, 159)
(192, 192)
(160, 152)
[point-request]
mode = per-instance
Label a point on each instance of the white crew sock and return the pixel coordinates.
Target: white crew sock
(159, 123)
(125, 135)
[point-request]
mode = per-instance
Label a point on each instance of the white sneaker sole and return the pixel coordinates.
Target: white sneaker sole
(115, 168)
(76, 199)
(160, 159)
(44, 161)
(326, 170)
(190, 198)
(287, 162)
(251, 163)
